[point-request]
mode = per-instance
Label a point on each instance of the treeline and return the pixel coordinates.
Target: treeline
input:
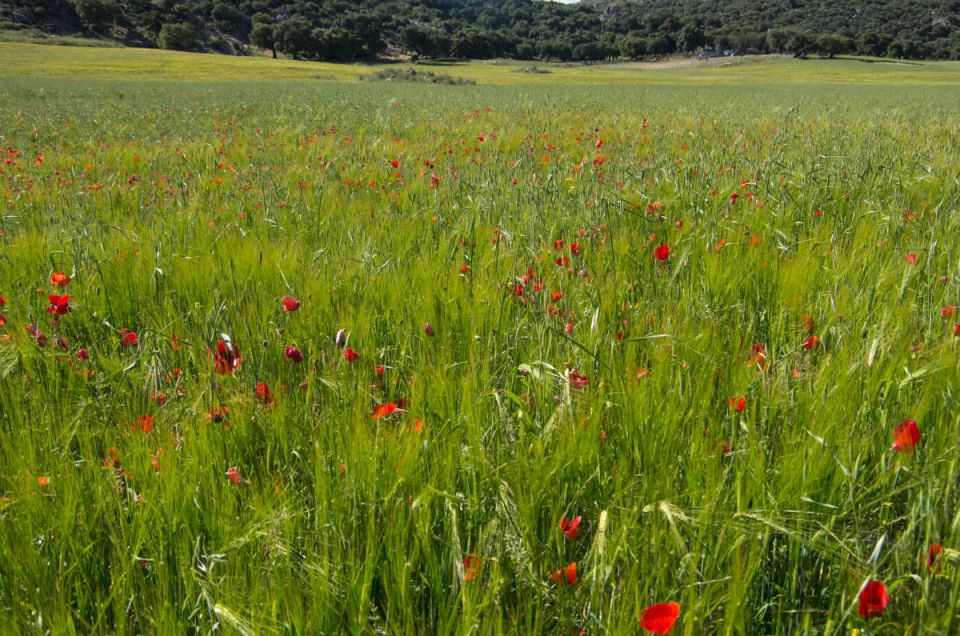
(352, 30)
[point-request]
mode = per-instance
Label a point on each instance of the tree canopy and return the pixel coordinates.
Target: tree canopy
(351, 30)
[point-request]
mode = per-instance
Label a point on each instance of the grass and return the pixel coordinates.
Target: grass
(185, 210)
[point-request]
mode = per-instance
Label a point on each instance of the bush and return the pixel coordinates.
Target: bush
(177, 36)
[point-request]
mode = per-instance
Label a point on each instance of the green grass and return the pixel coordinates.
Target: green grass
(192, 207)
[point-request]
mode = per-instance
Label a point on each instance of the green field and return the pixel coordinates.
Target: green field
(689, 305)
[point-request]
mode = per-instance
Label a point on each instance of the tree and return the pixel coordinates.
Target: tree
(96, 15)
(691, 38)
(263, 35)
(777, 40)
(177, 36)
(632, 46)
(799, 43)
(337, 44)
(659, 45)
(425, 41)
(831, 44)
(294, 37)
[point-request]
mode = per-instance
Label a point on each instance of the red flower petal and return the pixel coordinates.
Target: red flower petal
(660, 618)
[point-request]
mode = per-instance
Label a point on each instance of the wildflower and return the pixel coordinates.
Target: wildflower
(350, 355)
(233, 474)
(384, 409)
(660, 618)
(290, 303)
(128, 338)
(933, 553)
(911, 258)
(83, 354)
(566, 575)
(738, 404)
(578, 381)
(293, 354)
(873, 600)
(811, 343)
(428, 329)
(570, 527)
(471, 567)
(146, 423)
(43, 481)
(59, 305)
(341, 338)
(264, 394)
(662, 252)
(227, 357)
(60, 279)
(906, 436)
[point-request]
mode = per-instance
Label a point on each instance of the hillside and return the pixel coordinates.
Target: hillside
(341, 30)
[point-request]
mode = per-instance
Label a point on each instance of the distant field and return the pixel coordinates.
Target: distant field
(33, 60)
(349, 357)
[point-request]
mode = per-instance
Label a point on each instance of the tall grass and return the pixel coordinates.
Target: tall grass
(191, 209)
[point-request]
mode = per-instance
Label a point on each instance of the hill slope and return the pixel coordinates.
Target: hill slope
(342, 30)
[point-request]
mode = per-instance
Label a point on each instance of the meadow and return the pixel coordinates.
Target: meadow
(282, 351)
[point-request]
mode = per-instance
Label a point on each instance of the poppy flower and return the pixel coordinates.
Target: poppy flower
(38, 335)
(43, 481)
(911, 258)
(660, 618)
(471, 567)
(384, 409)
(128, 338)
(575, 249)
(570, 527)
(264, 394)
(233, 474)
(906, 436)
(734, 197)
(956, 330)
(556, 296)
(567, 575)
(290, 303)
(350, 355)
(464, 269)
(948, 312)
(662, 252)
(146, 423)
(739, 404)
(873, 600)
(932, 554)
(428, 329)
(293, 354)
(578, 381)
(227, 358)
(811, 343)
(59, 278)
(59, 305)
(83, 354)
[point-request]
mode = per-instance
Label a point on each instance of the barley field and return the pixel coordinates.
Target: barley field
(601, 350)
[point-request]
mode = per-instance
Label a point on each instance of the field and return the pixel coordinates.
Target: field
(344, 356)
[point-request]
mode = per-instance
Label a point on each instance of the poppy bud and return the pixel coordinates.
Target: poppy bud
(428, 329)
(293, 354)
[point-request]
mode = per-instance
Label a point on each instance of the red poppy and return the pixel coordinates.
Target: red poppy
(567, 575)
(911, 258)
(811, 343)
(906, 436)
(128, 338)
(464, 269)
(873, 600)
(558, 244)
(734, 197)
(264, 394)
(739, 404)
(290, 303)
(59, 305)
(948, 312)
(660, 618)
(578, 381)
(384, 409)
(293, 354)
(233, 474)
(59, 278)
(379, 370)
(83, 354)
(575, 249)
(428, 329)
(38, 335)
(662, 252)
(932, 554)
(471, 567)
(146, 423)
(227, 358)
(956, 329)
(350, 355)
(570, 527)
(556, 296)
(43, 481)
